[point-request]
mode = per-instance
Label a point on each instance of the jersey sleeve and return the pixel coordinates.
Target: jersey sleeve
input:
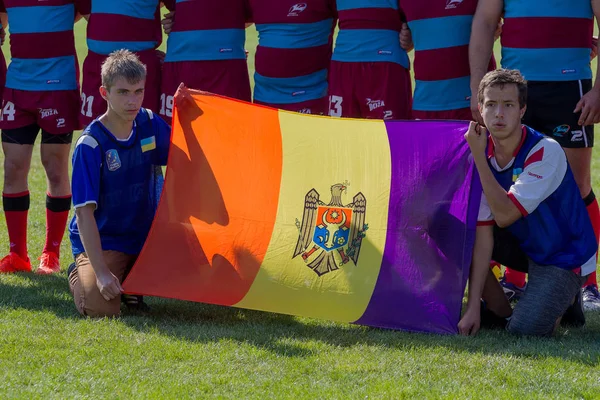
(83, 7)
(87, 167)
(163, 140)
(544, 170)
(485, 216)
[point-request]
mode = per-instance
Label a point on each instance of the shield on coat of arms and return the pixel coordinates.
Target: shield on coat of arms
(330, 235)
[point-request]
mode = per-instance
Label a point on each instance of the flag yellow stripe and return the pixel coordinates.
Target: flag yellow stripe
(319, 152)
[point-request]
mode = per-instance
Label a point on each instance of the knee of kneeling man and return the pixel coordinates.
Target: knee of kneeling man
(102, 310)
(529, 328)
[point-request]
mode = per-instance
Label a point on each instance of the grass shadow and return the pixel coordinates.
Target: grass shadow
(286, 335)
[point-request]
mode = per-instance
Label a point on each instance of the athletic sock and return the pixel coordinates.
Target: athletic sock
(16, 208)
(57, 213)
(594, 212)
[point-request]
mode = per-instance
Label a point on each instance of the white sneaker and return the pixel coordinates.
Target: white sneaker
(591, 298)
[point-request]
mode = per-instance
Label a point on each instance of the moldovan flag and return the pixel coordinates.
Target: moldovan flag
(361, 221)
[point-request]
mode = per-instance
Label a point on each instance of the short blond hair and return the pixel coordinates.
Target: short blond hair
(122, 64)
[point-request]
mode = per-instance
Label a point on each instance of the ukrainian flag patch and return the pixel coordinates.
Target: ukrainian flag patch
(148, 144)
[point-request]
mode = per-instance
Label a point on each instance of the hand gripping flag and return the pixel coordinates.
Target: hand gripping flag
(360, 221)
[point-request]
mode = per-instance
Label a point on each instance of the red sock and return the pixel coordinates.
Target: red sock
(594, 212)
(16, 207)
(517, 278)
(57, 213)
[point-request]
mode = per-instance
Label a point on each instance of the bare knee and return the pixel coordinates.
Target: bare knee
(15, 174)
(57, 167)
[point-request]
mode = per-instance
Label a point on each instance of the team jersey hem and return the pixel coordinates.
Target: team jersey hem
(80, 205)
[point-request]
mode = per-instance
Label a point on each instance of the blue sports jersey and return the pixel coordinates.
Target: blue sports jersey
(555, 228)
(119, 178)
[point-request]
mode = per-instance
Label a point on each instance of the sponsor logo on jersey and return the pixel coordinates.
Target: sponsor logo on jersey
(52, 81)
(375, 104)
(568, 71)
(535, 175)
(385, 52)
(296, 9)
(451, 4)
(299, 93)
(47, 112)
(226, 50)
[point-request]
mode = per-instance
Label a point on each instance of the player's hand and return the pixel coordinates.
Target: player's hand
(406, 41)
(589, 106)
(594, 48)
(167, 22)
(476, 137)
(470, 323)
(475, 110)
(109, 285)
(161, 56)
(498, 30)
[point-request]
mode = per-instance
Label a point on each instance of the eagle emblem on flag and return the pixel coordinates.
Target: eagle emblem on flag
(330, 235)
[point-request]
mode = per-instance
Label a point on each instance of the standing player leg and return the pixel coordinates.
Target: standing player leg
(19, 131)
(554, 103)
(57, 134)
(17, 145)
(580, 161)
(54, 154)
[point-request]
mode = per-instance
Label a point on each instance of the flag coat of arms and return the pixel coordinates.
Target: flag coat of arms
(359, 221)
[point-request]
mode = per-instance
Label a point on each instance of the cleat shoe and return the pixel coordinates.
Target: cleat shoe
(48, 264)
(14, 263)
(574, 317)
(591, 298)
(134, 303)
(512, 291)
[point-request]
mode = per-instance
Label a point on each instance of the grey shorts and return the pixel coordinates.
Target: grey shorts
(550, 291)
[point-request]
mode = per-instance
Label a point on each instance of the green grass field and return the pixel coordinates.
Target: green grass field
(189, 350)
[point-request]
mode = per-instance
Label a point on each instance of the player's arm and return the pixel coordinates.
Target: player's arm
(87, 166)
(485, 23)
(406, 41)
(503, 208)
(83, 9)
(108, 284)
(480, 266)
(589, 105)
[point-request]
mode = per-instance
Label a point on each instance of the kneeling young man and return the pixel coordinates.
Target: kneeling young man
(114, 187)
(532, 218)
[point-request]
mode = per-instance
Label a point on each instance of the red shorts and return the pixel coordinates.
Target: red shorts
(460, 114)
(315, 107)
(223, 77)
(56, 112)
(378, 90)
(93, 105)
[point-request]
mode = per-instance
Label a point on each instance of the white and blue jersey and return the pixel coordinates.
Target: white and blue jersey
(555, 228)
(118, 177)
